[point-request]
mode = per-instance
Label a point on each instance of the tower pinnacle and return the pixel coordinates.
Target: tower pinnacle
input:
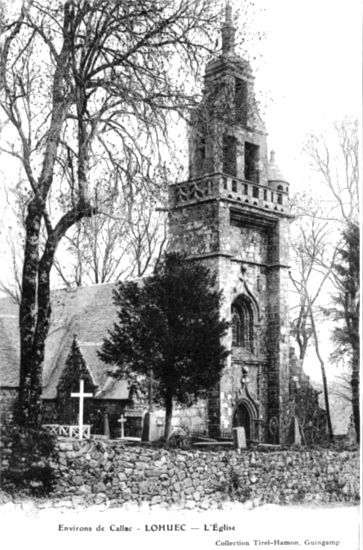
(228, 12)
(228, 32)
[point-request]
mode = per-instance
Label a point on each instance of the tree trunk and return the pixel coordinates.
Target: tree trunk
(30, 379)
(352, 317)
(35, 299)
(35, 310)
(355, 393)
(326, 398)
(32, 356)
(323, 374)
(168, 417)
(302, 336)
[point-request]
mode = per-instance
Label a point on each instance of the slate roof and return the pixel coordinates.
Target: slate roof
(89, 313)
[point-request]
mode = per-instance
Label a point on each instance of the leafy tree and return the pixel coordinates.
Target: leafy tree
(347, 311)
(169, 331)
(86, 95)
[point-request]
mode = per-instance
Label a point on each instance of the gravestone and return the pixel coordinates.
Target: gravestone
(297, 435)
(294, 436)
(150, 430)
(351, 438)
(106, 426)
(239, 438)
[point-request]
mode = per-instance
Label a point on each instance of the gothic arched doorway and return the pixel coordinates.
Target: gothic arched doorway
(243, 418)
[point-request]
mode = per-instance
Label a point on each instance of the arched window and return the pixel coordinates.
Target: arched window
(236, 328)
(242, 324)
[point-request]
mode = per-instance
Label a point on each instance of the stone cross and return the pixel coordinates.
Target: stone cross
(81, 396)
(122, 422)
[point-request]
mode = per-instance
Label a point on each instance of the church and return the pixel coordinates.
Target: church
(233, 215)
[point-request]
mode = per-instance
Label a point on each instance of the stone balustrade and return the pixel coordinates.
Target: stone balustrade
(227, 187)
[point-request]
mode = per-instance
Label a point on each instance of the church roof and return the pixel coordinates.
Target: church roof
(87, 312)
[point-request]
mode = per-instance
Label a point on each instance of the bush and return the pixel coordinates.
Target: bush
(28, 469)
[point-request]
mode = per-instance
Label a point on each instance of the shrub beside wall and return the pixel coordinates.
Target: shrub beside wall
(96, 471)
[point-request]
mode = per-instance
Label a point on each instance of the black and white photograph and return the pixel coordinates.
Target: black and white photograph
(180, 252)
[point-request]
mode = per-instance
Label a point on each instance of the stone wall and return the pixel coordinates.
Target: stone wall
(92, 472)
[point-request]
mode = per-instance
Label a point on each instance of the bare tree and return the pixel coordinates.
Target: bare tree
(147, 238)
(342, 386)
(86, 87)
(95, 252)
(14, 211)
(12, 287)
(335, 162)
(105, 249)
(125, 242)
(321, 219)
(310, 253)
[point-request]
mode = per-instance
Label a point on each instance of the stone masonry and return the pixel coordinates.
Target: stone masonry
(233, 215)
(98, 472)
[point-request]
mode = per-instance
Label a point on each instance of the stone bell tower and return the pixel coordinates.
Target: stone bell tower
(233, 214)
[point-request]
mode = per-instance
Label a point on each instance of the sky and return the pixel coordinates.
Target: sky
(308, 72)
(310, 69)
